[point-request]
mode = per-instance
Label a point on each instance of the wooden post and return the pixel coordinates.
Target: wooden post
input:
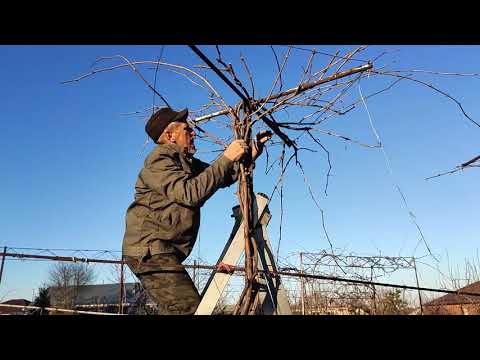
(122, 293)
(194, 271)
(374, 293)
(198, 278)
(419, 293)
(196, 275)
(302, 284)
(3, 262)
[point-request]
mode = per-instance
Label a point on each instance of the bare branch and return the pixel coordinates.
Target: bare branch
(324, 53)
(328, 159)
(431, 87)
(278, 67)
(297, 90)
(310, 190)
(282, 158)
(349, 56)
(231, 71)
(132, 63)
(331, 133)
(155, 80)
(435, 72)
(187, 77)
(249, 73)
(466, 164)
(389, 167)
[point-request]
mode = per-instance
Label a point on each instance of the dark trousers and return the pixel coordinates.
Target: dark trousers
(167, 283)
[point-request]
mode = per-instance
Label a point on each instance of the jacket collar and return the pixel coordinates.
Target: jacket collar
(174, 148)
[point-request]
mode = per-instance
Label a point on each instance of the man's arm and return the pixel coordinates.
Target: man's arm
(166, 176)
(233, 173)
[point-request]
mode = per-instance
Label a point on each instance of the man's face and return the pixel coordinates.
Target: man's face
(184, 137)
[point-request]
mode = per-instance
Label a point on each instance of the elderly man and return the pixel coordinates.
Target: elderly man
(163, 221)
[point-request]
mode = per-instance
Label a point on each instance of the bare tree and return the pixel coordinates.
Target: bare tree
(65, 279)
(474, 162)
(459, 277)
(320, 93)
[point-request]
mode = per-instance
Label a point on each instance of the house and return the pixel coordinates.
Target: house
(456, 304)
(101, 297)
(14, 310)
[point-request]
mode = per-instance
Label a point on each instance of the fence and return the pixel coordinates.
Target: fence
(316, 283)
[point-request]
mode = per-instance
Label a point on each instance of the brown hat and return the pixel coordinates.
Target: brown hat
(160, 120)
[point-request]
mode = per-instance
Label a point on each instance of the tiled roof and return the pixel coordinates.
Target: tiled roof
(21, 302)
(456, 299)
(13, 311)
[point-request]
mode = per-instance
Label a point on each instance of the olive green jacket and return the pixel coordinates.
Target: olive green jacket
(169, 192)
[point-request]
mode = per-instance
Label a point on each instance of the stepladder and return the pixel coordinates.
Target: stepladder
(270, 294)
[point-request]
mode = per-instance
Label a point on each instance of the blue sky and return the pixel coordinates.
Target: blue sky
(70, 158)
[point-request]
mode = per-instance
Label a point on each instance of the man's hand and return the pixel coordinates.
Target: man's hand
(236, 150)
(259, 144)
(225, 268)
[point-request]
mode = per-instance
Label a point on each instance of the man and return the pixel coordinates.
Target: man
(162, 222)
